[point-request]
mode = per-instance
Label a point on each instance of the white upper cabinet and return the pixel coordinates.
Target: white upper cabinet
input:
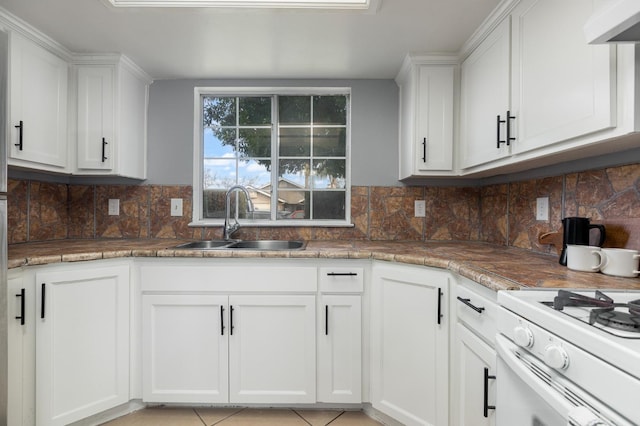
(426, 116)
(563, 88)
(485, 86)
(38, 107)
(112, 98)
(534, 93)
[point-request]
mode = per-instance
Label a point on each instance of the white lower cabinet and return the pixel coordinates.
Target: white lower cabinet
(217, 348)
(230, 334)
(185, 348)
(473, 369)
(272, 350)
(21, 350)
(340, 348)
(82, 341)
(340, 334)
(410, 338)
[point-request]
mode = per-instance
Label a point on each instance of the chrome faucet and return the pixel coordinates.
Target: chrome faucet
(229, 228)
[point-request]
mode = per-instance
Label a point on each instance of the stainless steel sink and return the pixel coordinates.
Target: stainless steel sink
(268, 245)
(271, 245)
(206, 245)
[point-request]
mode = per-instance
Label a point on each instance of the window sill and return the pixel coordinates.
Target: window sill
(278, 224)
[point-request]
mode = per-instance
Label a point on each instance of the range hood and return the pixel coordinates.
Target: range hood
(617, 22)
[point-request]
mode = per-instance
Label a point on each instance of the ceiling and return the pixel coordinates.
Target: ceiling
(171, 43)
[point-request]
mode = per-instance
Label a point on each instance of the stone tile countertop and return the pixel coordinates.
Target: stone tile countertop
(495, 267)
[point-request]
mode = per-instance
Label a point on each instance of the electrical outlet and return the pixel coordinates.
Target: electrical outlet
(542, 208)
(176, 207)
(420, 209)
(114, 207)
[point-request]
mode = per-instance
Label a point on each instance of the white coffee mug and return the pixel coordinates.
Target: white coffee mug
(620, 262)
(584, 258)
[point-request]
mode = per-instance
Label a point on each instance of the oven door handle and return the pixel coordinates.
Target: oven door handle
(518, 365)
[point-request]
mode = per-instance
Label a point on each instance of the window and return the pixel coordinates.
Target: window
(289, 149)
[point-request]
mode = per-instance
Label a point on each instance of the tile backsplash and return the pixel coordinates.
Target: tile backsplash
(501, 214)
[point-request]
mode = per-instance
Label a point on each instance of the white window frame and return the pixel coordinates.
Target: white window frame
(198, 155)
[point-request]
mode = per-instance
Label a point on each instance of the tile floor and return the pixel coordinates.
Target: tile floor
(205, 416)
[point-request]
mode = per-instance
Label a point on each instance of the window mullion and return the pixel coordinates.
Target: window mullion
(311, 186)
(275, 156)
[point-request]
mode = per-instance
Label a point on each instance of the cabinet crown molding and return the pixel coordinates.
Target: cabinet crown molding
(10, 22)
(80, 59)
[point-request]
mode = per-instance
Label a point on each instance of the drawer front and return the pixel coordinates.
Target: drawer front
(477, 312)
(341, 280)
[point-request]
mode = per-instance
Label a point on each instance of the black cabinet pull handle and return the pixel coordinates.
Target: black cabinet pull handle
(104, 149)
(498, 123)
(486, 405)
(424, 150)
(20, 128)
(231, 320)
(22, 297)
(509, 118)
(467, 302)
(42, 301)
(439, 305)
(342, 274)
(326, 320)
(221, 320)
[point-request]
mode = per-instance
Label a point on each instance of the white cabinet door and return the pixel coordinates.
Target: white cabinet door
(485, 97)
(563, 88)
(82, 339)
(95, 117)
(185, 348)
(272, 349)
(410, 344)
(474, 371)
(112, 119)
(21, 352)
(38, 107)
(426, 119)
(340, 349)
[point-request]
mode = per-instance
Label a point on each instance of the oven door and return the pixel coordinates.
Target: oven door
(529, 393)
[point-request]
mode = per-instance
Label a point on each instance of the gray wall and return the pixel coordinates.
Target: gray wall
(374, 128)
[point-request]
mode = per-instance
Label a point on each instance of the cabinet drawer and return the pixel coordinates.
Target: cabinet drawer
(341, 280)
(477, 312)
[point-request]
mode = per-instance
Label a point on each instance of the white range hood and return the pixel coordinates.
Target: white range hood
(617, 22)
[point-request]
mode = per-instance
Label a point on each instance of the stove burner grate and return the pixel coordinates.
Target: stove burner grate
(615, 319)
(605, 311)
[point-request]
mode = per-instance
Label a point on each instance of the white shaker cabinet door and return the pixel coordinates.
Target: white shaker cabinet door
(184, 348)
(563, 88)
(474, 373)
(96, 123)
(340, 349)
(426, 118)
(82, 341)
(21, 351)
(38, 107)
(485, 92)
(272, 350)
(409, 353)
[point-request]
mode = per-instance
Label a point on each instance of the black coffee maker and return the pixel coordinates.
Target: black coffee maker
(575, 231)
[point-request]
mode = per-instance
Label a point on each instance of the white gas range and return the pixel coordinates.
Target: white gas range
(568, 357)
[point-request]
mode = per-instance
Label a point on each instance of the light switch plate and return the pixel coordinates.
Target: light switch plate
(114, 207)
(420, 209)
(176, 207)
(542, 208)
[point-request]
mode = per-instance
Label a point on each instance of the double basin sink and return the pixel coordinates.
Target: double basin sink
(243, 245)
